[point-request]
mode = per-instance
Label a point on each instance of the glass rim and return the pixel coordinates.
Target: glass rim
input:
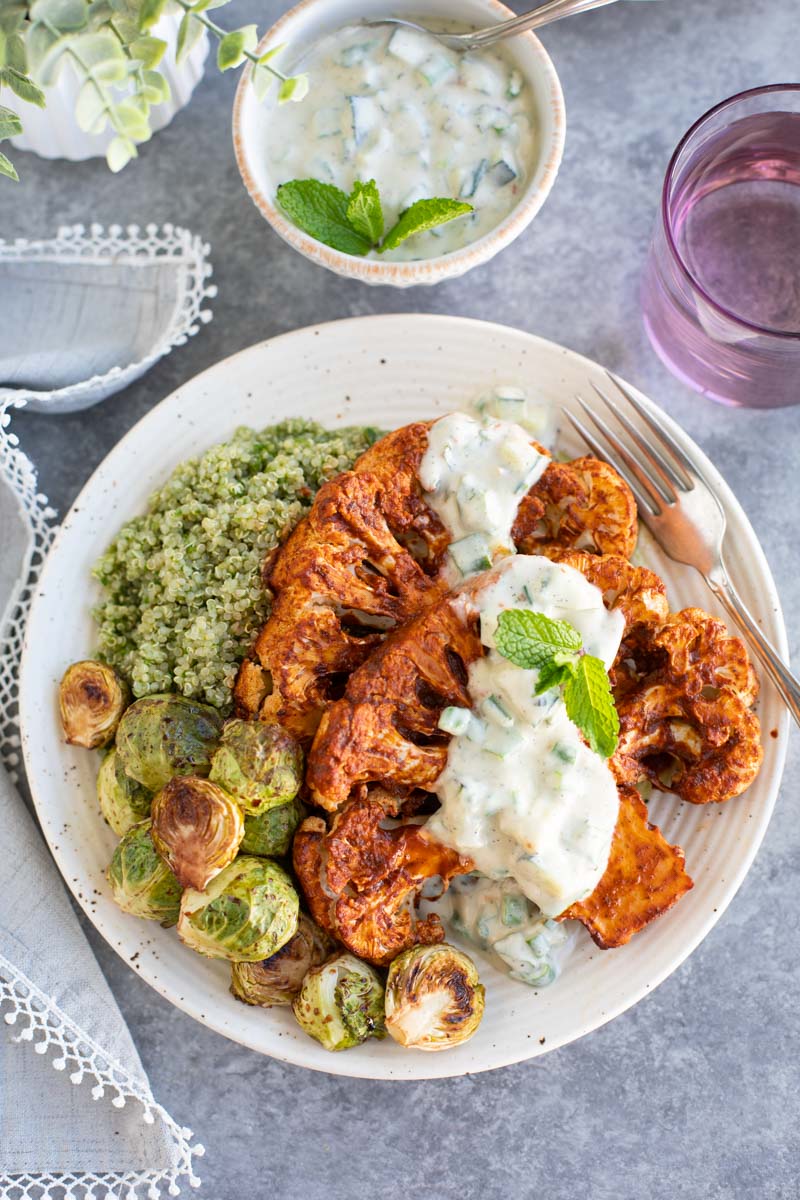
(666, 220)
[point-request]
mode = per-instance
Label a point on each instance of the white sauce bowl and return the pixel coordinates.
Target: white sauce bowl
(313, 19)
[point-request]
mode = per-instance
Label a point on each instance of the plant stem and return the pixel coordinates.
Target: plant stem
(220, 33)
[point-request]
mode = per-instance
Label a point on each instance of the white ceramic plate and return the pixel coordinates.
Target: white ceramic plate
(379, 371)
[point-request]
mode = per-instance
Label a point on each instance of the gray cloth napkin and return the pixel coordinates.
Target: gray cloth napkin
(107, 1136)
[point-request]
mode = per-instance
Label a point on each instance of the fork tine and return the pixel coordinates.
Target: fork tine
(643, 500)
(634, 468)
(682, 466)
(667, 476)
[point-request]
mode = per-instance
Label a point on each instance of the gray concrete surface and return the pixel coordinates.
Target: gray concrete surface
(695, 1092)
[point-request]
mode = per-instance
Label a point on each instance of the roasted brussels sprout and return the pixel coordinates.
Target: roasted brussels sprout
(433, 997)
(92, 698)
(123, 802)
(141, 881)
(277, 980)
(163, 736)
(245, 914)
(341, 1003)
(271, 832)
(261, 765)
(197, 829)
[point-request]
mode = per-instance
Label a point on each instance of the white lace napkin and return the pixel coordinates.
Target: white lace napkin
(60, 1026)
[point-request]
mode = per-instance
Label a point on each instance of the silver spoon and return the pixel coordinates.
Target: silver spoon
(553, 10)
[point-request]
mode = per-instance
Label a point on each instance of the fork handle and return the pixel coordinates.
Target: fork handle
(552, 10)
(773, 664)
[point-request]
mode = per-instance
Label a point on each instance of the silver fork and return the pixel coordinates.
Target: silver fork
(679, 507)
(479, 39)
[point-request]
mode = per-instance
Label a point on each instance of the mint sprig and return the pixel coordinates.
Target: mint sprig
(554, 649)
(354, 224)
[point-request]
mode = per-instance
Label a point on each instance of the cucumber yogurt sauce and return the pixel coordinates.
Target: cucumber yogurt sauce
(393, 105)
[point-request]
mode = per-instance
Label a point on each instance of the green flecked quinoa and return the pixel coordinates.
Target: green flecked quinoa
(182, 595)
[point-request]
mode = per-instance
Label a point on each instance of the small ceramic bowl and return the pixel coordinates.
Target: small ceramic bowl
(307, 23)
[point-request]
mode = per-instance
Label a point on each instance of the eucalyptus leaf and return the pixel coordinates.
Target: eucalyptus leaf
(67, 16)
(262, 80)
(90, 108)
(295, 88)
(148, 51)
(7, 168)
(49, 64)
(15, 55)
(39, 41)
(101, 55)
(156, 88)
(149, 13)
(231, 50)
(119, 153)
(190, 31)
(10, 124)
(268, 55)
(12, 16)
(129, 120)
(22, 86)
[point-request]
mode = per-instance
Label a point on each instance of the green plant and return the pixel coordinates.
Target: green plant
(111, 46)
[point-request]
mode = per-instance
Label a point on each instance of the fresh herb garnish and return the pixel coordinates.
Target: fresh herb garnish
(553, 648)
(354, 224)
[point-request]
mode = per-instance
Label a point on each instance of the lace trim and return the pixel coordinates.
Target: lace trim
(43, 1023)
(20, 475)
(72, 244)
(47, 1028)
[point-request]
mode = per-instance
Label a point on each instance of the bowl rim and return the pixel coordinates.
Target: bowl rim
(430, 270)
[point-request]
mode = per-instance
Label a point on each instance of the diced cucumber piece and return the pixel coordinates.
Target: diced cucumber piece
(480, 76)
(436, 68)
(501, 174)
(502, 742)
(515, 84)
(489, 116)
(567, 754)
(455, 720)
(351, 56)
(514, 910)
(539, 944)
(495, 710)
(326, 122)
(366, 117)
(471, 554)
(409, 46)
(473, 180)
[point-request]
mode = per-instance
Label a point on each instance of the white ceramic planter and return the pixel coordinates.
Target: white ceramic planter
(52, 132)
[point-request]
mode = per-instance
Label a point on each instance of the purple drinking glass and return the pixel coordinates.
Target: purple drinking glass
(721, 291)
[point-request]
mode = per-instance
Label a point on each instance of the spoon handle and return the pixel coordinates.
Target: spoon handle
(553, 10)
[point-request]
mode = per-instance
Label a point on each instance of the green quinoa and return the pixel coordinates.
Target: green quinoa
(182, 595)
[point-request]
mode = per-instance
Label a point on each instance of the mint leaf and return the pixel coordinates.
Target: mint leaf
(10, 124)
(320, 209)
(551, 675)
(364, 211)
(532, 640)
(590, 705)
(425, 214)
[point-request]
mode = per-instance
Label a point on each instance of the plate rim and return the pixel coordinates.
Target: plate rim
(363, 1068)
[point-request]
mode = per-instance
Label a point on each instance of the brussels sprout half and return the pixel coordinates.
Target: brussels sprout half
(261, 765)
(245, 914)
(163, 736)
(277, 980)
(433, 997)
(197, 829)
(341, 1003)
(91, 699)
(123, 802)
(142, 884)
(270, 834)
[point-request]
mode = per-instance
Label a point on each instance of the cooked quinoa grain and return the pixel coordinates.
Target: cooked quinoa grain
(183, 598)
